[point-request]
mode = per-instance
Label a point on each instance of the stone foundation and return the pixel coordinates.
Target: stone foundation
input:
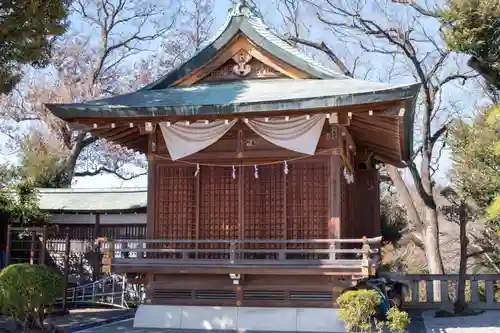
(238, 318)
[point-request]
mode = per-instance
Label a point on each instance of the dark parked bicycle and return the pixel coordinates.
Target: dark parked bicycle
(390, 289)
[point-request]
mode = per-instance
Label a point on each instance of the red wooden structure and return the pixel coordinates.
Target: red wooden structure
(247, 217)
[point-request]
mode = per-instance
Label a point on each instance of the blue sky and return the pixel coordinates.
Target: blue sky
(465, 96)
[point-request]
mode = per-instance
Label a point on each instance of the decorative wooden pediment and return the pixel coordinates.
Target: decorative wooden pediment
(241, 60)
(243, 66)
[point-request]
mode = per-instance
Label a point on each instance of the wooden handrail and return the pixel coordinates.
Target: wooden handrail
(253, 241)
(228, 250)
(228, 254)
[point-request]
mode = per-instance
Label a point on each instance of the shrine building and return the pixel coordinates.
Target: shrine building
(263, 193)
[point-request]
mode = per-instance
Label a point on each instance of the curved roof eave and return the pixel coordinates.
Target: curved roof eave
(311, 99)
(408, 125)
(259, 34)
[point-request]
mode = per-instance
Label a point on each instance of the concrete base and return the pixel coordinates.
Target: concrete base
(238, 318)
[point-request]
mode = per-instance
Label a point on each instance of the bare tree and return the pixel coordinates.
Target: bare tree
(117, 54)
(461, 212)
(403, 36)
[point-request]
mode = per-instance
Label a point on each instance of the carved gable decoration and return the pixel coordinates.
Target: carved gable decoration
(242, 66)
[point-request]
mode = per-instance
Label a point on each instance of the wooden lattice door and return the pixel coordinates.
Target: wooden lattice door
(176, 202)
(218, 208)
(263, 205)
(307, 202)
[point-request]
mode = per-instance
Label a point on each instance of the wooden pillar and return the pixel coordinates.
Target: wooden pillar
(239, 295)
(152, 197)
(334, 163)
(67, 249)
(97, 226)
(96, 269)
(240, 152)
(285, 213)
(334, 224)
(32, 247)
(198, 203)
(241, 207)
(43, 250)
(151, 186)
(366, 261)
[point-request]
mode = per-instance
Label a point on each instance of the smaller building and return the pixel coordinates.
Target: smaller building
(117, 213)
(88, 214)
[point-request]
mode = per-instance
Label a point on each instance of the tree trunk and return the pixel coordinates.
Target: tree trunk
(75, 152)
(431, 249)
(405, 196)
(431, 241)
(425, 224)
(460, 304)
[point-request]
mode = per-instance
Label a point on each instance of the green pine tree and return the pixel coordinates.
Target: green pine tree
(27, 32)
(473, 27)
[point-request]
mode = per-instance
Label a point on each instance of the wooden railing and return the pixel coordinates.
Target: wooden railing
(482, 291)
(343, 254)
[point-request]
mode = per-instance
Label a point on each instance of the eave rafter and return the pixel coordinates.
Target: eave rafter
(379, 134)
(376, 127)
(125, 135)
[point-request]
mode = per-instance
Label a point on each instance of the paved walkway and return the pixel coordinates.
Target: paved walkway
(488, 322)
(82, 318)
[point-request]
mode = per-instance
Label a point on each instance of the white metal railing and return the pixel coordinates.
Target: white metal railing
(113, 290)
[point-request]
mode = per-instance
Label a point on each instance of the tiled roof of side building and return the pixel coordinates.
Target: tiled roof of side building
(90, 200)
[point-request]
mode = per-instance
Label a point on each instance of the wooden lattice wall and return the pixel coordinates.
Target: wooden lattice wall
(214, 205)
(218, 206)
(176, 202)
(263, 203)
(274, 206)
(307, 200)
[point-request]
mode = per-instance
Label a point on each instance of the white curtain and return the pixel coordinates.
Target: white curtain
(298, 134)
(186, 139)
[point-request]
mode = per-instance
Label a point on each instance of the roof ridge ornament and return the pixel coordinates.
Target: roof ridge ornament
(248, 9)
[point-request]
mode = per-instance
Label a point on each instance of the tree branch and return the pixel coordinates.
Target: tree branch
(417, 180)
(435, 137)
(103, 169)
(324, 48)
(418, 8)
(453, 77)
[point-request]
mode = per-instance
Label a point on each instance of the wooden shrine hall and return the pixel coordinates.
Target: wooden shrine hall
(263, 191)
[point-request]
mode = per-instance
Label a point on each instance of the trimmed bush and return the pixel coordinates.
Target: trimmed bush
(397, 320)
(356, 309)
(28, 292)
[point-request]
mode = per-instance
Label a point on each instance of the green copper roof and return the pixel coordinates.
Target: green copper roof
(327, 88)
(242, 19)
(238, 97)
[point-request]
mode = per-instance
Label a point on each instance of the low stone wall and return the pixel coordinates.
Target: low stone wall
(238, 318)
